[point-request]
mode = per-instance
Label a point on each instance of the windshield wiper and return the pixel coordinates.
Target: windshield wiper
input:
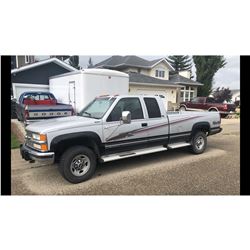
(84, 112)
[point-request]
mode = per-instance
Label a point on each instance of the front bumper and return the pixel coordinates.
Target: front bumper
(29, 154)
(214, 131)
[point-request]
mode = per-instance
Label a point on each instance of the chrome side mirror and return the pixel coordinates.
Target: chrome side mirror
(126, 117)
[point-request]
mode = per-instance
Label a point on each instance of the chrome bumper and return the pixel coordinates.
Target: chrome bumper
(29, 154)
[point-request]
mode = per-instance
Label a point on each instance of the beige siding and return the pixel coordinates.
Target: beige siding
(169, 92)
(162, 66)
(145, 71)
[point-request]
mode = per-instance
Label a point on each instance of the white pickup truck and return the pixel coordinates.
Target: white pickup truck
(112, 128)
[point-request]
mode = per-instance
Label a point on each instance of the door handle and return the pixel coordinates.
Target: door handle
(144, 124)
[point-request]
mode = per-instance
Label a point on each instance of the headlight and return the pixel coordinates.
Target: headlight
(39, 137)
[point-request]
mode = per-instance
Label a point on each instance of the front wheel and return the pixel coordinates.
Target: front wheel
(77, 164)
(198, 143)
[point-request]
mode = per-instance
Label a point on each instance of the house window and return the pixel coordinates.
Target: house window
(159, 73)
(27, 59)
(187, 93)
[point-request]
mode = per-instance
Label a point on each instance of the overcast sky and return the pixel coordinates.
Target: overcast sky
(229, 76)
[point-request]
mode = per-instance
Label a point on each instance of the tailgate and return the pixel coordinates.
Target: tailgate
(44, 111)
(231, 107)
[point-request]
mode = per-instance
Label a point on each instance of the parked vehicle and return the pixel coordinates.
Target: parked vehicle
(37, 106)
(13, 108)
(116, 127)
(208, 104)
(79, 88)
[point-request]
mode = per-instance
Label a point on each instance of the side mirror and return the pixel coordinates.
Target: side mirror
(126, 117)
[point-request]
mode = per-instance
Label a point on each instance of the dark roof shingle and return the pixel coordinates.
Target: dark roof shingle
(173, 80)
(126, 61)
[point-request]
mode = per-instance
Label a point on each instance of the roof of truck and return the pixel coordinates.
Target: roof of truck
(107, 72)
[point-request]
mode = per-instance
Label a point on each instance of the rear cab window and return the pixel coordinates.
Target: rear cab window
(152, 107)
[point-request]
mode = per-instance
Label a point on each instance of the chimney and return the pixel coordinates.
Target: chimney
(185, 73)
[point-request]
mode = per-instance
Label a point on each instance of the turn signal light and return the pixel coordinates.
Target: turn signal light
(43, 137)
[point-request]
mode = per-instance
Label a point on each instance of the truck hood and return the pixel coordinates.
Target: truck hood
(61, 123)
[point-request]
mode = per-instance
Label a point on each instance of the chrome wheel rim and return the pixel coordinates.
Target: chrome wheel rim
(80, 165)
(199, 142)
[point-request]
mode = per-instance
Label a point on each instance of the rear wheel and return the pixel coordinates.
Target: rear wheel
(77, 164)
(213, 110)
(182, 108)
(198, 142)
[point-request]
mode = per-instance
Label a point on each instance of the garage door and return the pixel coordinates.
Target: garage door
(19, 88)
(160, 93)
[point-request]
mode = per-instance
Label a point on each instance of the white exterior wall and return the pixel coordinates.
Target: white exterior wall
(145, 72)
(185, 73)
(168, 92)
(236, 96)
(19, 88)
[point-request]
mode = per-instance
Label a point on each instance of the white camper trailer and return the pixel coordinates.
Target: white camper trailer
(81, 87)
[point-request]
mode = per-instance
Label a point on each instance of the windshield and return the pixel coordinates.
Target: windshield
(97, 108)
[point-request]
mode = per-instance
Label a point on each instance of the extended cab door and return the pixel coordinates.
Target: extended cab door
(119, 136)
(156, 122)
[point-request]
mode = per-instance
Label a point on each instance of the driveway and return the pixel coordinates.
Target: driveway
(174, 172)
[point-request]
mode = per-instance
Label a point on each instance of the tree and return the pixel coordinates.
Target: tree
(223, 94)
(206, 67)
(90, 65)
(180, 63)
(74, 61)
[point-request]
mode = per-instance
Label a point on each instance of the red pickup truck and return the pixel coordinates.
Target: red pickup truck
(208, 104)
(36, 106)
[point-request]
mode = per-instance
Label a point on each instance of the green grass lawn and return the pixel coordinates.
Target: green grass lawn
(14, 141)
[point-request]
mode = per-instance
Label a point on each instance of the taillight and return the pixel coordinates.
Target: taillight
(26, 112)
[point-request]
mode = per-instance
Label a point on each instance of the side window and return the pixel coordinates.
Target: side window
(152, 107)
(196, 100)
(126, 104)
(210, 100)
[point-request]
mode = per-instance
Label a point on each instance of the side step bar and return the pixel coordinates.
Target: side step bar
(178, 145)
(128, 154)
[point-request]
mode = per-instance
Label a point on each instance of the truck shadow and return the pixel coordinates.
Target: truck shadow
(167, 157)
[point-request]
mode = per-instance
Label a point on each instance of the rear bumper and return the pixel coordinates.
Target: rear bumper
(29, 154)
(214, 131)
(227, 112)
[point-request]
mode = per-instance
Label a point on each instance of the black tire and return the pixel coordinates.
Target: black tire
(198, 143)
(182, 108)
(70, 168)
(213, 110)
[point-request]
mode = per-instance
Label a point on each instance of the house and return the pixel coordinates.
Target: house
(156, 77)
(35, 76)
(19, 61)
(236, 96)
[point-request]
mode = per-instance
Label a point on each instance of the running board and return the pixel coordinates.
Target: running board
(178, 145)
(133, 153)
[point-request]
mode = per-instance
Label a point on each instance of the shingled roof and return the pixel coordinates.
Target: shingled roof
(173, 80)
(120, 62)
